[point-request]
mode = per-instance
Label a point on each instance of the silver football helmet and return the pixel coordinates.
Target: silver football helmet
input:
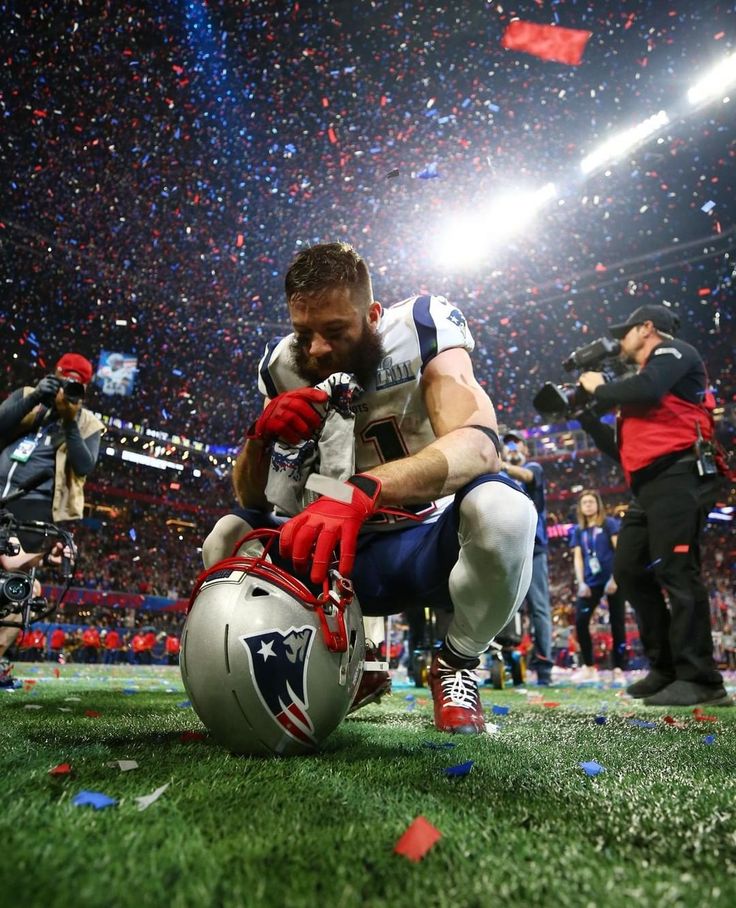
(270, 668)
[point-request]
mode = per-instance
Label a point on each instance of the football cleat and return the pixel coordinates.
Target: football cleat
(457, 706)
(375, 683)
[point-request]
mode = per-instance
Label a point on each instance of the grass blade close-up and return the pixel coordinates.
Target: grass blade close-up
(524, 823)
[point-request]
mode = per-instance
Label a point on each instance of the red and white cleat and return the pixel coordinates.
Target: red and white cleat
(457, 706)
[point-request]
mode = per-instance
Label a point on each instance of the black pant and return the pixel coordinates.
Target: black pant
(658, 548)
(584, 609)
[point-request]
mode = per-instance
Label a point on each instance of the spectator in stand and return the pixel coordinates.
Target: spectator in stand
(57, 642)
(530, 476)
(91, 645)
(593, 542)
(172, 646)
(112, 647)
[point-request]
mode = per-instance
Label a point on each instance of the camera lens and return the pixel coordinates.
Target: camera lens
(15, 587)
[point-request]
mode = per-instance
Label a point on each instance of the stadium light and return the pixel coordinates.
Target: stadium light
(617, 146)
(714, 84)
(468, 239)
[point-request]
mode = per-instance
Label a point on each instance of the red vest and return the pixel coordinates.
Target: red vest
(646, 433)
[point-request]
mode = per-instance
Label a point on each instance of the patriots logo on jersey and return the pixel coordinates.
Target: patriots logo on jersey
(457, 318)
(278, 667)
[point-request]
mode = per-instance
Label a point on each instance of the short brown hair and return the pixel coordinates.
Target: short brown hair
(329, 265)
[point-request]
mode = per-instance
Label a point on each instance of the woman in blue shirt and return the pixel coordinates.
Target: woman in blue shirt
(593, 542)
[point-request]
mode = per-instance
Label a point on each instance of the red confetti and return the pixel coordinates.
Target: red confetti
(63, 769)
(92, 713)
(239, 240)
(550, 704)
(419, 837)
(548, 42)
(600, 267)
(57, 673)
(188, 736)
(28, 684)
(700, 716)
(332, 136)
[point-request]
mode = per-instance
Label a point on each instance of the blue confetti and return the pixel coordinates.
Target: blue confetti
(709, 739)
(500, 710)
(600, 720)
(445, 745)
(592, 768)
(93, 799)
(462, 769)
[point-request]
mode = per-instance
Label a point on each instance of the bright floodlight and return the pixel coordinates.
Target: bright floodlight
(714, 83)
(467, 239)
(618, 145)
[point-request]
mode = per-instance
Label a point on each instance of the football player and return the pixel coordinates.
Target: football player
(425, 441)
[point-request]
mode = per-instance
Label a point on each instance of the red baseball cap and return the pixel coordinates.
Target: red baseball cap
(75, 362)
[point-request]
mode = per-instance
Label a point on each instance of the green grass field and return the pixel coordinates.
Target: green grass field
(526, 826)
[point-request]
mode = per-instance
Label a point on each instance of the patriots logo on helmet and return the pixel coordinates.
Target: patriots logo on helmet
(457, 318)
(278, 666)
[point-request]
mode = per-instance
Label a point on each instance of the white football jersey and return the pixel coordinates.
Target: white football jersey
(391, 420)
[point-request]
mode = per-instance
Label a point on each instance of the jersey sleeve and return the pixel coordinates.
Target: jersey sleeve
(614, 525)
(267, 375)
(440, 326)
(574, 537)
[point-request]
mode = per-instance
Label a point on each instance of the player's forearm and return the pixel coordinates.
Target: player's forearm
(250, 474)
(439, 469)
(517, 472)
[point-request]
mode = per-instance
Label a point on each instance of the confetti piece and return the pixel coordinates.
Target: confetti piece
(392, 174)
(187, 736)
(63, 769)
(550, 704)
(92, 714)
(146, 800)
(500, 710)
(675, 723)
(708, 207)
(419, 837)
(93, 799)
(124, 765)
(32, 706)
(640, 723)
(709, 739)
(445, 745)
(700, 716)
(548, 42)
(600, 720)
(72, 699)
(185, 704)
(592, 768)
(460, 770)
(492, 729)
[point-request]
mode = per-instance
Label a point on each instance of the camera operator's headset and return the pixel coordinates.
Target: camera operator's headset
(16, 587)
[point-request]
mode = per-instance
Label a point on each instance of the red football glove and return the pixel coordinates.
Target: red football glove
(290, 417)
(326, 523)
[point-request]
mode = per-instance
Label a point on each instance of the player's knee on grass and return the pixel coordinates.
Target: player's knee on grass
(220, 542)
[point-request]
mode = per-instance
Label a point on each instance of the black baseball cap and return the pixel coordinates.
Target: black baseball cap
(661, 317)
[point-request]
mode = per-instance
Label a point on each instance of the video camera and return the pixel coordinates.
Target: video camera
(16, 587)
(572, 400)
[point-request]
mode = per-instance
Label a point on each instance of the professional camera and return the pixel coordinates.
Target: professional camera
(16, 587)
(572, 400)
(73, 390)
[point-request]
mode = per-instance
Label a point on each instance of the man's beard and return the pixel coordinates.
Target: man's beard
(362, 360)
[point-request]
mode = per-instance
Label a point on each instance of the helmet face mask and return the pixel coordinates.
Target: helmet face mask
(270, 668)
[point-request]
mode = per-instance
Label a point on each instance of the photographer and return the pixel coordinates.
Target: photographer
(49, 443)
(663, 442)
